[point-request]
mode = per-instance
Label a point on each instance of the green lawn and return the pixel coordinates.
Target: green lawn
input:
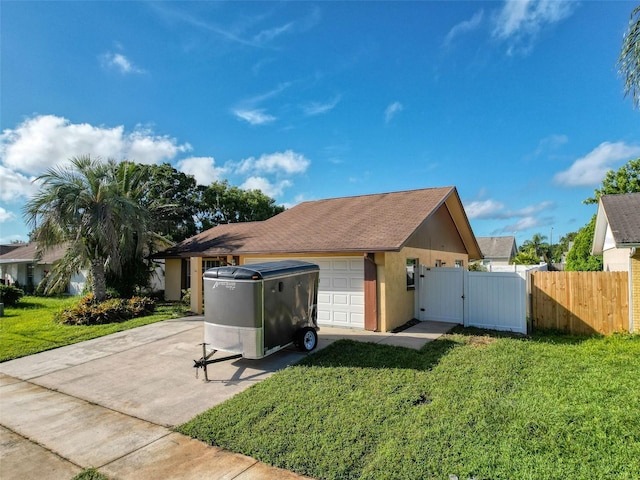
(468, 404)
(29, 328)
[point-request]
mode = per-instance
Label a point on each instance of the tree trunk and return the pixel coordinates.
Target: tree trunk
(99, 281)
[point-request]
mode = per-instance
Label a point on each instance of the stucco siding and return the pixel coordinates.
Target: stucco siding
(398, 303)
(437, 235)
(635, 292)
(615, 260)
(173, 279)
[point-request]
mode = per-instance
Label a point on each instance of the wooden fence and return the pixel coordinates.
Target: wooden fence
(580, 302)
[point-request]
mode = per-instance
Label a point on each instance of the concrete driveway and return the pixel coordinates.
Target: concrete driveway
(109, 403)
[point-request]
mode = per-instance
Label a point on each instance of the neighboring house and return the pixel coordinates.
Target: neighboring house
(498, 251)
(617, 239)
(368, 248)
(22, 265)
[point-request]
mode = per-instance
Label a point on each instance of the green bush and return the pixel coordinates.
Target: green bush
(10, 295)
(112, 310)
(186, 296)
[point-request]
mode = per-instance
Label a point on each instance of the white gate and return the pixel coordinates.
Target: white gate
(495, 301)
(441, 292)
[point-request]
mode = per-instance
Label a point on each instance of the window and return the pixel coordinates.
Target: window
(439, 263)
(211, 264)
(412, 267)
(459, 263)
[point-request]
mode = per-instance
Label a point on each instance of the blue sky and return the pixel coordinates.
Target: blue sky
(518, 104)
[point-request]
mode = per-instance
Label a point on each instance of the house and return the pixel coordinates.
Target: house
(617, 239)
(22, 265)
(368, 248)
(497, 251)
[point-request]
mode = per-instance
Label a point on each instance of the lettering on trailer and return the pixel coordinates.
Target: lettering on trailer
(227, 285)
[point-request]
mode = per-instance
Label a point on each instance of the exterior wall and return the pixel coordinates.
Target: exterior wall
(496, 261)
(157, 277)
(438, 237)
(11, 273)
(634, 282)
(616, 260)
(173, 279)
(397, 305)
(17, 272)
(77, 283)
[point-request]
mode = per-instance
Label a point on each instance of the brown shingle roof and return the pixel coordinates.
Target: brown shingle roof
(29, 253)
(366, 223)
(623, 215)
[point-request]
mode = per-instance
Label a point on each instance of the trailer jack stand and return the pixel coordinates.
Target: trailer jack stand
(204, 361)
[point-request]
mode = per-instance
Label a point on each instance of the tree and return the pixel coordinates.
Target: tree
(93, 207)
(579, 257)
(537, 245)
(221, 203)
(629, 60)
(624, 180)
(172, 197)
(526, 257)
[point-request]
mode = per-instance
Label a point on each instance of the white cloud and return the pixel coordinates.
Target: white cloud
(118, 62)
(268, 188)
(254, 117)
(392, 110)
(202, 168)
(249, 110)
(14, 185)
(591, 169)
(525, 224)
(316, 108)
(6, 215)
(142, 146)
(483, 208)
(287, 162)
(494, 210)
(464, 27)
(520, 21)
(44, 141)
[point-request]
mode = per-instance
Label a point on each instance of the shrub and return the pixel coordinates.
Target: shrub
(10, 295)
(186, 296)
(113, 310)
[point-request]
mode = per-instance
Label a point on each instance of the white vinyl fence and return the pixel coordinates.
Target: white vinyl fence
(495, 301)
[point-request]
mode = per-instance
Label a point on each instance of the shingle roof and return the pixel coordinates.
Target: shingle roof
(497, 247)
(29, 253)
(623, 215)
(380, 222)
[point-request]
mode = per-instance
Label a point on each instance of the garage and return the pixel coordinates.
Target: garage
(341, 289)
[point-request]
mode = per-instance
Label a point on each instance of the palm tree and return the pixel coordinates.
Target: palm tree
(629, 60)
(537, 244)
(92, 207)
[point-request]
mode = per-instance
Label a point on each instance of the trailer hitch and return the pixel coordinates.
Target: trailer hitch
(204, 361)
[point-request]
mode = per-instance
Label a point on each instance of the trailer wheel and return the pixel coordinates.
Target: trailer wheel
(307, 339)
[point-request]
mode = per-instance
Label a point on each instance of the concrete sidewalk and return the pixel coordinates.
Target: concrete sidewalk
(109, 403)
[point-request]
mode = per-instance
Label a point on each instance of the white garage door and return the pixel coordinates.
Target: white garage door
(341, 289)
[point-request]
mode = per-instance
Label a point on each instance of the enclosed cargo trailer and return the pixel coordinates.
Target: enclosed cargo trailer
(255, 310)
